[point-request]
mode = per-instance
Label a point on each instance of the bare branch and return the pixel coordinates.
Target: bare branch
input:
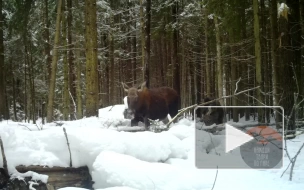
(25, 126)
(236, 85)
(195, 105)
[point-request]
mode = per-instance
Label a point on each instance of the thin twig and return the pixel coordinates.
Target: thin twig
(66, 136)
(39, 128)
(24, 126)
(111, 108)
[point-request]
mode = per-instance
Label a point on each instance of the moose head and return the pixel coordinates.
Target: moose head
(133, 94)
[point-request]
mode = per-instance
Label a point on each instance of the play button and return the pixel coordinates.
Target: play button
(235, 138)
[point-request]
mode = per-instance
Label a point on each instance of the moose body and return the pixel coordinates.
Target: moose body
(153, 104)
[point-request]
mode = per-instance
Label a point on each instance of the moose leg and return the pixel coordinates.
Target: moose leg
(134, 122)
(147, 123)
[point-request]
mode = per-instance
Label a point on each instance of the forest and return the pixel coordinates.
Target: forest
(65, 59)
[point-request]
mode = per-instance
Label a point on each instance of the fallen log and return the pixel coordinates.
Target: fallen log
(58, 177)
(141, 128)
(131, 129)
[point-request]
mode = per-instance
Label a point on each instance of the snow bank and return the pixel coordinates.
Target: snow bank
(49, 147)
(115, 111)
(130, 161)
(148, 146)
(114, 169)
(182, 129)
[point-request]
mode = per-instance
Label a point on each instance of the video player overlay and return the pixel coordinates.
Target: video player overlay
(228, 137)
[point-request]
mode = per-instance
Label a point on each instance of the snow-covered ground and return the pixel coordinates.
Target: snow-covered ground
(137, 161)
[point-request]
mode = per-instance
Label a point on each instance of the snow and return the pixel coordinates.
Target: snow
(282, 8)
(141, 160)
(126, 102)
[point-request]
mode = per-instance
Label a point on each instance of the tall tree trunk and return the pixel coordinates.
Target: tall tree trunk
(78, 63)
(14, 97)
(134, 62)
(264, 54)
(142, 34)
(147, 44)
(274, 48)
(165, 56)
(47, 48)
(219, 61)
(294, 25)
(91, 58)
(161, 66)
(107, 72)
(79, 112)
(287, 80)
(234, 80)
(128, 45)
(72, 76)
(175, 65)
(25, 91)
(198, 80)
(32, 87)
(258, 60)
(49, 117)
(111, 59)
(111, 69)
(2, 70)
(208, 70)
(184, 75)
(66, 99)
(242, 65)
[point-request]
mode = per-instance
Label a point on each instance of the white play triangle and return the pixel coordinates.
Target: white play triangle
(235, 138)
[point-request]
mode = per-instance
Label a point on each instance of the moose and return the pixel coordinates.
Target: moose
(155, 103)
(212, 115)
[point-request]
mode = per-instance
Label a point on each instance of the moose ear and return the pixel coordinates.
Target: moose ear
(125, 87)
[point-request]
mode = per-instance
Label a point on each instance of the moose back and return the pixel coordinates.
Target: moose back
(153, 104)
